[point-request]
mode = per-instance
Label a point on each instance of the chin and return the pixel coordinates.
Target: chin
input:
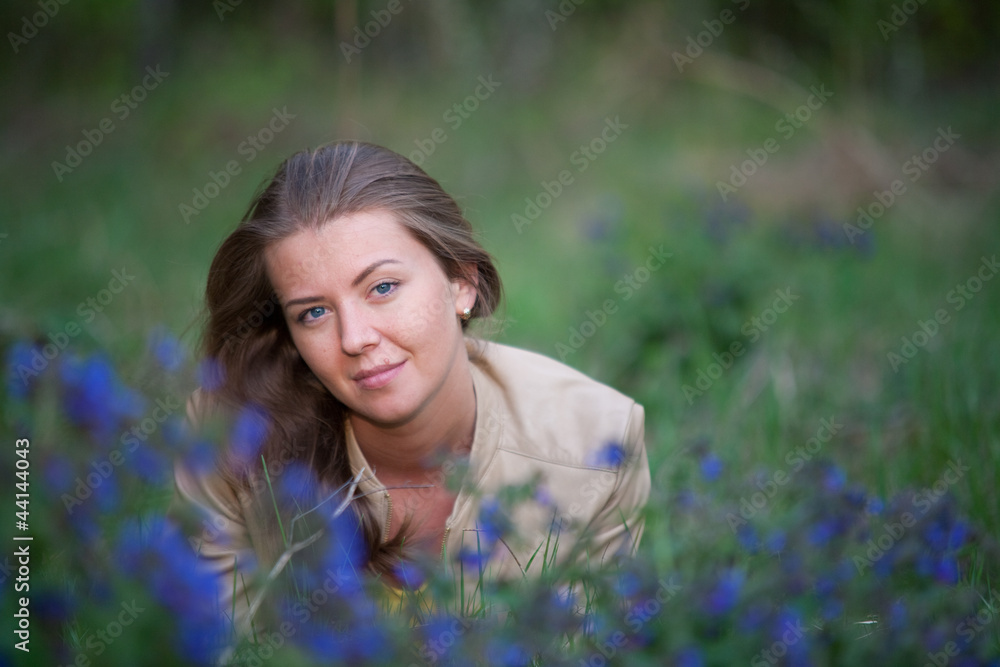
(386, 413)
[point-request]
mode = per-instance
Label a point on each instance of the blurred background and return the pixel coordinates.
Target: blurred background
(751, 216)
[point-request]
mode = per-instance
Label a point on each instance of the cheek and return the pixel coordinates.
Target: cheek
(314, 351)
(426, 318)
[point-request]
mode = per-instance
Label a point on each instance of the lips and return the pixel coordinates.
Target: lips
(378, 377)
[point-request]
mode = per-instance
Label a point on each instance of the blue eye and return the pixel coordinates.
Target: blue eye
(384, 288)
(312, 313)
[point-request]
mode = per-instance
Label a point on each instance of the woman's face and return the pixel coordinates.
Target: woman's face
(373, 314)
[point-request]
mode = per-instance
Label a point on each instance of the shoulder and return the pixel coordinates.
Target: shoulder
(551, 411)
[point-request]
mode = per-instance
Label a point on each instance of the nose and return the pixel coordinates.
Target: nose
(357, 331)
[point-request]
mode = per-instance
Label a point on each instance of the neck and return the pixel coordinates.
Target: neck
(444, 429)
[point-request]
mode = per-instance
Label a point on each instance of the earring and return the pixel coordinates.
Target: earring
(466, 315)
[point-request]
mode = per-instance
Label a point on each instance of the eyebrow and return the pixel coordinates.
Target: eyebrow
(371, 267)
(357, 281)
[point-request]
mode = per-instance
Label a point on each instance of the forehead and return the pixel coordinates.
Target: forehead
(338, 251)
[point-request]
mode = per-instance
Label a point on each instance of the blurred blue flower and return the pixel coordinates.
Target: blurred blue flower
(775, 541)
(106, 494)
(543, 496)
(754, 617)
(492, 523)
(210, 374)
(947, 571)
(958, 535)
(747, 538)
(408, 574)
(473, 559)
(20, 372)
(822, 531)
(95, 398)
(725, 594)
(689, 657)
(505, 654)
(612, 455)
(686, 499)
(249, 432)
(176, 431)
(58, 475)
(199, 456)
(898, 615)
(167, 349)
(345, 550)
(832, 609)
(627, 584)
(711, 467)
(149, 465)
(834, 477)
(157, 556)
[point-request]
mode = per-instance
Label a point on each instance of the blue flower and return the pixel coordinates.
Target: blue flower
(507, 655)
(249, 432)
(210, 374)
(689, 657)
(167, 350)
(775, 541)
(199, 456)
(627, 584)
(834, 477)
(724, 596)
(150, 465)
(947, 571)
(612, 455)
(492, 522)
(408, 574)
(711, 467)
(821, 532)
(20, 369)
(158, 556)
(747, 538)
(94, 397)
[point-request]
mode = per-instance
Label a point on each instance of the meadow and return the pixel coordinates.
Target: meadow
(798, 287)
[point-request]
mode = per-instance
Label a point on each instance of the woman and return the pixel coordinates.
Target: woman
(358, 276)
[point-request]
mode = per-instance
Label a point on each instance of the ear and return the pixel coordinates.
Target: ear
(464, 288)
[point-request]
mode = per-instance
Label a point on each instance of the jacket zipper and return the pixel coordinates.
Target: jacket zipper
(444, 541)
(388, 517)
(388, 525)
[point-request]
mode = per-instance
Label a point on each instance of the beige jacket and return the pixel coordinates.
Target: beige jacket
(536, 419)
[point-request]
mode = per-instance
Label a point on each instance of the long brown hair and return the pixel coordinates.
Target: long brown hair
(246, 334)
